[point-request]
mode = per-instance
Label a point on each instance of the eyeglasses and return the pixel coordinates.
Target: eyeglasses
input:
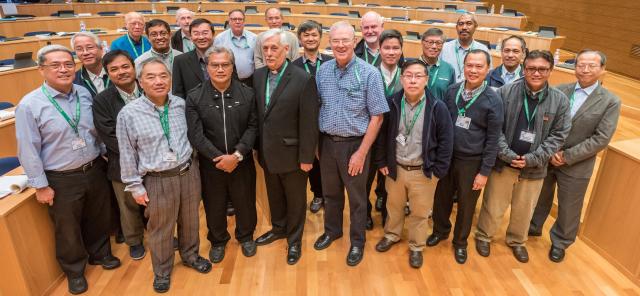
(585, 66)
(83, 49)
(198, 34)
(237, 19)
(514, 51)
(59, 66)
(161, 34)
(410, 76)
(533, 70)
(223, 66)
(341, 41)
(432, 42)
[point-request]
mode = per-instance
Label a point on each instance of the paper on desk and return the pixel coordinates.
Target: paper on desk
(4, 114)
(12, 184)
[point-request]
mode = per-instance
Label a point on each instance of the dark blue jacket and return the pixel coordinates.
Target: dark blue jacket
(437, 137)
(82, 79)
(494, 78)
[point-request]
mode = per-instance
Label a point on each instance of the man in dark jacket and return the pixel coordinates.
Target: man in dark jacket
(190, 69)
(368, 49)
(413, 149)
(477, 112)
(181, 39)
(514, 48)
(89, 51)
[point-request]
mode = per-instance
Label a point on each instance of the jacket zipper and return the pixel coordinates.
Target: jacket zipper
(224, 124)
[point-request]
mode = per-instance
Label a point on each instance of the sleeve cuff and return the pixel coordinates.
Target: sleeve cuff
(136, 189)
(485, 171)
(39, 181)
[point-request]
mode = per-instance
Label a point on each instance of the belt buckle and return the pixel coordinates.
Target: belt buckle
(87, 166)
(184, 170)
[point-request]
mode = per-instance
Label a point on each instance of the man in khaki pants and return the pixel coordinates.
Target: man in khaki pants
(414, 149)
(536, 123)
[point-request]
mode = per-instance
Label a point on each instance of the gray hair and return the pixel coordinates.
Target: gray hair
(342, 25)
(433, 32)
(151, 60)
(95, 38)
(270, 8)
(218, 50)
(274, 32)
(373, 14)
(473, 18)
(133, 14)
(182, 11)
(49, 49)
(603, 57)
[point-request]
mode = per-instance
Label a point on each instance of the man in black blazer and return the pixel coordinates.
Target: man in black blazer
(287, 103)
(190, 69)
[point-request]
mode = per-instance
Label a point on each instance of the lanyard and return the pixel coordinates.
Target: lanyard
(90, 84)
(389, 89)
(462, 111)
(72, 123)
(433, 76)
(529, 116)
(409, 126)
(159, 55)
(460, 63)
(267, 94)
(164, 122)
(318, 62)
(366, 57)
(133, 46)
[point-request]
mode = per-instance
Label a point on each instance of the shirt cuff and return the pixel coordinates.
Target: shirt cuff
(39, 181)
(136, 189)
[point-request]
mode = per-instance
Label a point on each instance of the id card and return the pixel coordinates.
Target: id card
(78, 143)
(169, 156)
(463, 121)
(401, 139)
(527, 136)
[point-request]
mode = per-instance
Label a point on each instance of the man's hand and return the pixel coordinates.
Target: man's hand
(519, 162)
(227, 162)
(479, 182)
(306, 166)
(356, 163)
(558, 159)
(45, 195)
(384, 170)
(142, 199)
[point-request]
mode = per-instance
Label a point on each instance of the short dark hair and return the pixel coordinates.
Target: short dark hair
(603, 57)
(154, 23)
(112, 55)
(539, 54)
(412, 62)
(236, 10)
(309, 25)
(200, 21)
(433, 32)
(523, 44)
(390, 34)
(475, 51)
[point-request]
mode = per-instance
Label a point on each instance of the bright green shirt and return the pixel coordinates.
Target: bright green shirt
(444, 77)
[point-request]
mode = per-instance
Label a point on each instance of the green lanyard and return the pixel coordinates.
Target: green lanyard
(90, 84)
(73, 123)
(306, 67)
(389, 89)
(409, 126)
(434, 76)
(164, 122)
(571, 99)
(159, 55)
(529, 116)
(133, 46)
(460, 63)
(267, 94)
(366, 57)
(462, 111)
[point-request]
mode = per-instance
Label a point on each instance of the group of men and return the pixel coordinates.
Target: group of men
(170, 120)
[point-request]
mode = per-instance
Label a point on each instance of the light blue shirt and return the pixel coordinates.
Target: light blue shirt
(242, 48)
(453, 54)
(45, 137)
(509, 77)
(580, 96)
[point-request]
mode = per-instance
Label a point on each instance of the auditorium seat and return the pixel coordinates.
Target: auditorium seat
(214, 11)
(108, 13)
(339, 14)
(311, 13)
(253, 25)
(7, 164)
(7, 62)
(144, 11)
(433, 21)
(5, 105)
(34, 33)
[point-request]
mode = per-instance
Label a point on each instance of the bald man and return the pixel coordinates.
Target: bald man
(368, 49)
(273, 17)
(133, 42)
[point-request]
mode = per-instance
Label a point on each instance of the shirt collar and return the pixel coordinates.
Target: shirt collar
(161, 55)
(474, 91)
(125, 94)
(94, 76)
(388, 74)
(349, 64)
(437, 64)
(516, 71)
(54, 93)
(366, 47)
(459, 45)
(243, 35)
(588, 90)
(134, 41)
(304, 58)
(536, 95)
(150, 103)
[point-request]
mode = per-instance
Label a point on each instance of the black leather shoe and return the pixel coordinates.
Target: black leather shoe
(483, 248)
(108, 262)
(369, 224)
(293, 253)
(384, 244)
(434, 239)
(268, 238)
(415, 259)
(355, 255)
(176, 244)
(216, 254)
(161, 284)
(230, 210)
(77, 285)
(324, 241)
(201, 265)
(119, 237)
(534, 232)
(316, 204)
(460, 254)
(248, 248)
(556, 254)
(379, 203)
(137, 252)
(521, 254)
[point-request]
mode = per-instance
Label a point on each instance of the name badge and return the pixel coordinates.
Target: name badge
(463, 122)
(169, 156)
(527, 136)
(78, 143)
(401, 139)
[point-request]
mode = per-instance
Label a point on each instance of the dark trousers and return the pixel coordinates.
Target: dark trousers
(81, 217)
(287, 193)
(459, 179)
(380, 190)
(219, 186)
(571, 193)
(334, 160)
(315, 179)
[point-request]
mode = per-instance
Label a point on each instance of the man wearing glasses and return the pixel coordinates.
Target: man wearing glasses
(536, 123)
(133, 42)
(514, 48)
(190, 69)
(453, 52)
(594, 117)
(241, 42)
(441, 74)
(60, 153)
(352, 105)
(159, 32)
(89, 51)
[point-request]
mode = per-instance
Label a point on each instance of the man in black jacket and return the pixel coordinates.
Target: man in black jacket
(91, 75)
(222, 124)
(478, 114)
(106, 106)
(190, 69)
(413, 149)
(181, 39)
(287, 103)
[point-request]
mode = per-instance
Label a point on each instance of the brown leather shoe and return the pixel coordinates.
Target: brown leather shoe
(384, 244)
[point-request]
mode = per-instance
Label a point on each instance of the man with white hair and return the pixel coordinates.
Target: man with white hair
(274, 19)
(181, 39)
(89, 51)
(134, 42)
(453, 51)
(368, 49)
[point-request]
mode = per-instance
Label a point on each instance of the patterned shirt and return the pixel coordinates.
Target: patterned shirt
(453, 53)
(167, 58)
(142, 141)
(128, 98)
(509, 77)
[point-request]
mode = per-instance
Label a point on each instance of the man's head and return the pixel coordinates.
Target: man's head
(590, 65)
(120, 67)
(220, 64)
(183, 19)
(414, 78)
(274, 48)
(466, 26)
(476, 67)
(310, 33)
(88, 48)
(371, 25)
(432, 41)
(514, 48)
(273, 16)
(159, 34)
(341, 37)
(154, 78)
(538, 65)
(236, 21)
(202, 33)
(134, 22)
(390, 47)
(56, 65)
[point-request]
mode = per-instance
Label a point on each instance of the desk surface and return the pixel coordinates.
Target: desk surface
(630, 148)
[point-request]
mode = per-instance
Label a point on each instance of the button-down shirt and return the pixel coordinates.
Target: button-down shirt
(143, 144)
(349, 97)
(453, 53)
(128, 98)
(45, 137)
(580, 95)
(411, 153)
(98, 80)
(166, 57)
(187, 44)
(441, 76)
(242, 47)
(509, 77)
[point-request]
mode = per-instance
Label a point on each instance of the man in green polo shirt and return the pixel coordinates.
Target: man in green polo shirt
(441, 74)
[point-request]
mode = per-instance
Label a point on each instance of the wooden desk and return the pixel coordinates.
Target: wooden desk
(8, 145)
(33, 44)
(612, 224)
(27, 250)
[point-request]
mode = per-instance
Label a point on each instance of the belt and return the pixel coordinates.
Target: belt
(82, 169)
(342, 139)
(410, 167)
(177, 171)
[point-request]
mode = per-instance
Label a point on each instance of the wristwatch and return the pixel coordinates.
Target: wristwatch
(238, 155)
